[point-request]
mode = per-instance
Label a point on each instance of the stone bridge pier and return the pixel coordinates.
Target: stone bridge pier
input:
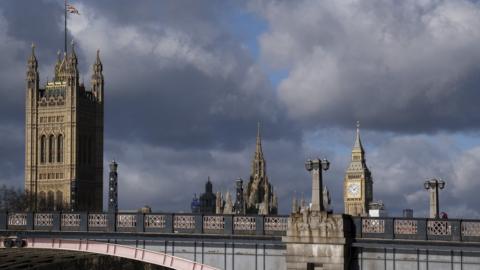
(315, 238)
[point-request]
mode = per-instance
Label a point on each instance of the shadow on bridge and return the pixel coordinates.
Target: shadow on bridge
(47, 259)
(50, 253)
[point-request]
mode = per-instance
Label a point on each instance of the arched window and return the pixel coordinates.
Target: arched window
(43, 147)
(60, 148)
(51, 143)
(59, 200)
(50, 200)
(41, 201)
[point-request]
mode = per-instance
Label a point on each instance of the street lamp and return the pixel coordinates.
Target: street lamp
(434, 185)
(315, 166)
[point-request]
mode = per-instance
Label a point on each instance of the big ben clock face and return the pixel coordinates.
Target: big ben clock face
(353, 190)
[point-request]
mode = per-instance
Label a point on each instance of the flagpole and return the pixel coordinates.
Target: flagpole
(65, 25)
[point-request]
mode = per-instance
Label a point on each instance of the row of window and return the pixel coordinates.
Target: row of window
(50, 201)
(51, 149)
(51, 119)
(43, 176)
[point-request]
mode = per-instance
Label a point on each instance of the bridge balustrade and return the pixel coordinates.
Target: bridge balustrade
(145, 222)
(418, 229)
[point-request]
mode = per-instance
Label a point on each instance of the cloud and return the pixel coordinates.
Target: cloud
(408, 66)
(183, 94)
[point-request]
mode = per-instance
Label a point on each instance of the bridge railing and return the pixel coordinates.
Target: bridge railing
(145, 222)
(418, 229)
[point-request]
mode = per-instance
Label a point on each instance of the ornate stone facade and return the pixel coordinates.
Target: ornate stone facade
(64, 137)
(259, 195)
(358, 184)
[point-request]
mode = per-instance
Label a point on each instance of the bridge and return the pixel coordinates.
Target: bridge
(195, 241)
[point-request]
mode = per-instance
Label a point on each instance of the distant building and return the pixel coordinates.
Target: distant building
(408, 213)
(206, 203)
(259, 196)
(239, 206)
(358, 184)
(64, 137)
(195, 205)
(377, 209)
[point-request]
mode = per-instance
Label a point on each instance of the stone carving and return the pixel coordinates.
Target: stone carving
(314, 236)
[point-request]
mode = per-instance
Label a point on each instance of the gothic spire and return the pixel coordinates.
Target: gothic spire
(32, 67)
(33, 58)
(97, 66)
(258, 148)
(73, 55)
(358, 143)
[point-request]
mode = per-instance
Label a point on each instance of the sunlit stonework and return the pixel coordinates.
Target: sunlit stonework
(64, 137)
(357, 189)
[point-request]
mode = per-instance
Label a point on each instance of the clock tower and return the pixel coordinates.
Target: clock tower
(357, 187)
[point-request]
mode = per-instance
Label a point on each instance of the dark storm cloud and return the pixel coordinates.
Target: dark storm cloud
(183, 96)
(408, 66)
(181, 106)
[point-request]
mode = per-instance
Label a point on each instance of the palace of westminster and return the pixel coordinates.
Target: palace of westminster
(64, 152)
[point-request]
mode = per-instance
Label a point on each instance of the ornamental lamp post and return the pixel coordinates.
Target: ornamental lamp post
(316, 166)
(434, 185)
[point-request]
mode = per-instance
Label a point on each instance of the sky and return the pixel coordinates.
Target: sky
(187, 81)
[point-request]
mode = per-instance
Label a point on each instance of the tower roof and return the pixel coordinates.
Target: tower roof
(258, 147)
(358, 142)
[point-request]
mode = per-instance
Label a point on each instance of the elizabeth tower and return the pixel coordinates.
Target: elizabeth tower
(64, 137)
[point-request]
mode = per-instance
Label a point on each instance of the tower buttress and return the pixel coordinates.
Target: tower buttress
(31, 111)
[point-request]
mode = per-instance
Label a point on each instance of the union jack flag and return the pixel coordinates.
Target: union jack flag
(72, 9)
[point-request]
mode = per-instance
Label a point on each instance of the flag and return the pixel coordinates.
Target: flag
(72, 9)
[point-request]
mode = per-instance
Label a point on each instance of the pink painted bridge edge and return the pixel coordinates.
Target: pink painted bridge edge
(143, 255)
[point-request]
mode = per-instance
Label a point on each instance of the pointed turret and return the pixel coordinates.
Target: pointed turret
(258, 147)
(72, 66)
(358, 142)
(58, 65)
(97, 77)
(32, 70)
(258, 167)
